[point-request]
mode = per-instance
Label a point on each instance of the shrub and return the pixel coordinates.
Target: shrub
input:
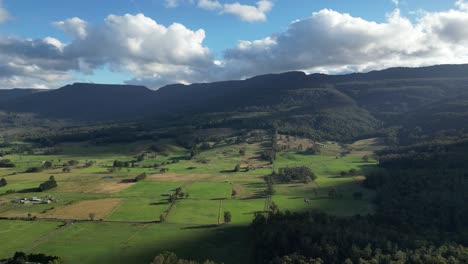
(3, 182)
(140, 177)
(33, 170)
(6, 163)
(227, 217)
(302, 173)
(47, 185)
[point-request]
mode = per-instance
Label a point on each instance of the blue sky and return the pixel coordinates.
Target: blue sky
(29, 20)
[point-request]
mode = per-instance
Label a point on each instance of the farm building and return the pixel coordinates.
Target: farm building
(35, 200)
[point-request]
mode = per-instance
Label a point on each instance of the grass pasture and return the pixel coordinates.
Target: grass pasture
(18, 235)
(209, 190)
(193, 228)
(195, 212)
(139, 209)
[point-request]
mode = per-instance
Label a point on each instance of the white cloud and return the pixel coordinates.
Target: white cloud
(141, 46)
(209, 4)
(171, 3)
(249, 13)
(335, 42)
(462, 4)
(4, 14)
(33, 63)
(75, 27)
(156, 54)
(132, 43)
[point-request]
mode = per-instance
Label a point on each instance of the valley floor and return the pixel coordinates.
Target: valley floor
(127, 226)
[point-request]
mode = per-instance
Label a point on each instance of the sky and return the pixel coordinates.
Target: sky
(50, 43)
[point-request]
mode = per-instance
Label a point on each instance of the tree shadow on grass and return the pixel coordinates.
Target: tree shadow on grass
(29, 190)
(227, 171)
(256, 184)
(179, 158)
(127, 181)
(215, 242)
(342, 177)
(159, 203)
(200, 227)
(255, 196)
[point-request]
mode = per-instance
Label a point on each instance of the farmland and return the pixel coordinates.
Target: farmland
(101, 215)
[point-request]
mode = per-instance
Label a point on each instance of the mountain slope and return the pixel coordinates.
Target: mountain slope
(11, 94)
(316, 105)
(86, 102)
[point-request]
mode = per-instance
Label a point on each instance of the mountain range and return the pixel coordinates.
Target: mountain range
(434, 98)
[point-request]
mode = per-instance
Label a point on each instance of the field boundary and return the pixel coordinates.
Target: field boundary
(48, 236)
(219, 211)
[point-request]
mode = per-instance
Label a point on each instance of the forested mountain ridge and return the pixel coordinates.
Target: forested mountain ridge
(11, 94)
(338, 107)
(84, 101)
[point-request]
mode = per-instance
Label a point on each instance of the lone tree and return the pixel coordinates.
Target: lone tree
(237, 168)
(227, 217)
(162, 218)
(66, 170)
(3, 182)
(47, 164)
(274, 209)
(365, 158)
(91, 216)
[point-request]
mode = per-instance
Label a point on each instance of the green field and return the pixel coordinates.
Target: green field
(130, 232)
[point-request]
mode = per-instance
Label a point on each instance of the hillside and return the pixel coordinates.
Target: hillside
(338, 107)
(11, 94)
(85, 102)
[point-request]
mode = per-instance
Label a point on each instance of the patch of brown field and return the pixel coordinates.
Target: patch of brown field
(366, 146)
(184, 177)
(359, 179)
(13, 213)
(361, 153)
(81, 210)
(294, 142)
(112, 187)
(93, 186)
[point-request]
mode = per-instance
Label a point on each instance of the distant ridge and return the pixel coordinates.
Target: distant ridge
(10, 94)
(85, 101)
(88, 101)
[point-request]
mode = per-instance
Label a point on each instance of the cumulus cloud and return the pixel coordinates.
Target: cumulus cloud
(155, 54)
(209, 4)
(335, 42)
(249, 13)
(75, 27)
(139, 45)
(33, 63)
(129, 43)
(462, 4)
